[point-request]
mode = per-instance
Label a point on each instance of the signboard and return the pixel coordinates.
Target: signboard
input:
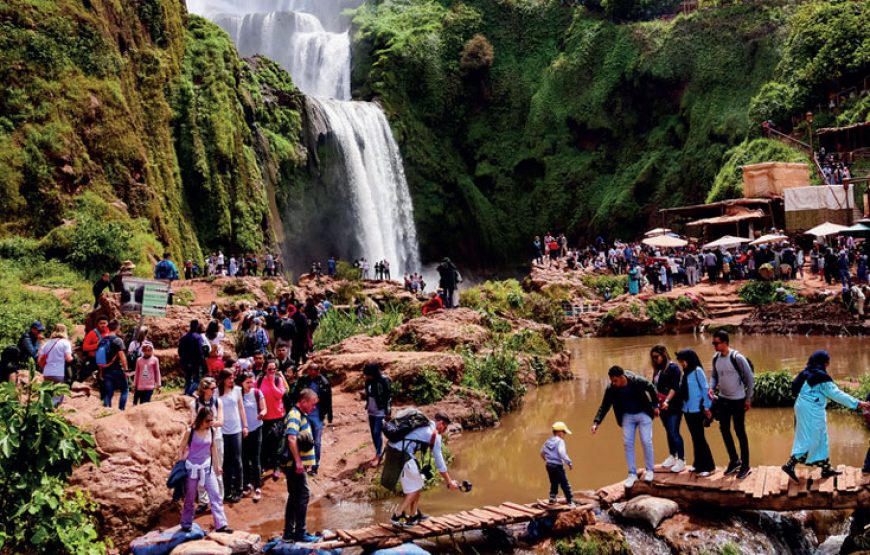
(147, 297)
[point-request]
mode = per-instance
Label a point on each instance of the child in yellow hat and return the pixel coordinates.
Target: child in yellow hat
(556, 457)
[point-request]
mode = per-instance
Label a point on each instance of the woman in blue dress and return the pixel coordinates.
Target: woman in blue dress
(814, 387)
(633, 280)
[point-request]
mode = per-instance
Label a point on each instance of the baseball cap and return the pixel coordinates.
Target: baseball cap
(38, 325)
(561, 427)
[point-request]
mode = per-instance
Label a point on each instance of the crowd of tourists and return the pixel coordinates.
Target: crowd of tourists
(217, 264)
(834, 167)
(680, 390)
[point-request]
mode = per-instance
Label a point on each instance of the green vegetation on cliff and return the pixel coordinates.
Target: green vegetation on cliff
(147, 108)
(575, 121)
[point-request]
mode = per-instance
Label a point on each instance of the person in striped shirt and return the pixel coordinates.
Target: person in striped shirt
(300, 445)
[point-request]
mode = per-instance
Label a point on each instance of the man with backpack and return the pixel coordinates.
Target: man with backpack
(192, 356)
(112, 362)
(322, 411)
(299, 452)
(734, 382)
(165, 269)
(378, 395)
(408, 442)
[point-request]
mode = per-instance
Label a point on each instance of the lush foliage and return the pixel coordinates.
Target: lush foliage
(38, 451)
(338, 325)
(344, 270)
(773, 389)
(582, 545)
(602, 282)
(764, 292)
(497, 374)
(662, 311)
(861, 390)
(507, 298)
(428, 386)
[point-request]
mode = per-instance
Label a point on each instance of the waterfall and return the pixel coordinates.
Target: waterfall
(318, 61)
(364, 206)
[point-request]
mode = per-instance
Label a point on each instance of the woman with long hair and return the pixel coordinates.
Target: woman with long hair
(696, 408)
(205, 396)
(814, 387)
(203, 464)
(234, 428)
(273, 386)
(255, 410)
(667, 377)
(54, 356)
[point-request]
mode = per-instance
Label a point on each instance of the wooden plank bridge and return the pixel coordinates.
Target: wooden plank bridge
(766, 488)
(387, 535)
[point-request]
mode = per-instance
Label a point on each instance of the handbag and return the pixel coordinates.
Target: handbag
(42, 360)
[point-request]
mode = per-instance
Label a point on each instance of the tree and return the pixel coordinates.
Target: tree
(38, 452)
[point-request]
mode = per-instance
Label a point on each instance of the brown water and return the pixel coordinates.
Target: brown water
(504, 464)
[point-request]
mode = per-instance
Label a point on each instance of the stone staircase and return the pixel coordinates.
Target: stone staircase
(726, 309)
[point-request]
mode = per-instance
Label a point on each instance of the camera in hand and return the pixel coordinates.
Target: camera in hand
(465, 486)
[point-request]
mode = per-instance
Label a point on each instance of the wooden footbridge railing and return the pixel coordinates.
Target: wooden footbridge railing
(766, 488)
(387, 535)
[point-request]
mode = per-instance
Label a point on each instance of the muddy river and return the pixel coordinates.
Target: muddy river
(503, 463)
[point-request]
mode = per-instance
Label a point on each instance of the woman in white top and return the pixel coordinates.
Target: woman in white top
(57, 353)
(255, 410)
(234, 428)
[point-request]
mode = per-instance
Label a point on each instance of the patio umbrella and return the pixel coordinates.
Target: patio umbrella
(857, 230)
(665, 242)
(657, 231)
(727, 241)
(825, 229)
(770, 238)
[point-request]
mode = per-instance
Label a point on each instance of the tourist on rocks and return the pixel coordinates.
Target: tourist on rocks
(188, 269)
(206, 397)
(322, 411)
(191, 357)
(555, 458)
(300, 447)
(233, 430)
(331, 266)
(667, 377)
(146, 378)
(447, 280)
(165, 269)
(301, 340)
(434, 303)
(214, 363)
(378, 396)
(233, 268)
(203, 463)
(56, 354)
(412, 480)
(114, 371)
(255, 411)
(30, 342)
(386, 266)
(813, 388)
(733, 380)
(634, 277)
(634, 402)
(313, 316)
(273, 386)
(89, 347)
(696, 407)
(105, 282)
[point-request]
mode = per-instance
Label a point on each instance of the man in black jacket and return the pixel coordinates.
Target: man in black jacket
(378, 397)
(635, 404)
(192, 353)
(322, 413)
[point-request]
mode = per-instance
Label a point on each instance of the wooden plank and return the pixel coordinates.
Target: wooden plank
(857, 477)
(488, 518)
(784, 482)
(470, 519)
(747, 485)
(524, 508)
(345, 536)
(826, 485)
(815, 477)
(505, 512)
(512, 512)
(842, 478)
(794, 488)
(429, 525)
(453, 521)
(773, 484)
(419, 531)
(758, 489)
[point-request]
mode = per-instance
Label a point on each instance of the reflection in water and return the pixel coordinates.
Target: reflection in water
(504, 463)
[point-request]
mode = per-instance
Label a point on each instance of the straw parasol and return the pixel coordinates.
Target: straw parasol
(825, 229)
(665, 242)
(727, 241)
(770, 238)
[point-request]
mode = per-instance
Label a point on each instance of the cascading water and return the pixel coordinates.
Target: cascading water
(369, 211)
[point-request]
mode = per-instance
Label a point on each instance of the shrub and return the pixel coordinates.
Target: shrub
(582, 545)
(862, 390)
(477, 55)
(236, 288)
(661, 310)
(773, 389)
(527, 341)
(38, 451)
(269, 289)
(345, 270)
(764, 292)
(338, 325)
(496, 374)
(601, 282)
(22, 306)
(20, 248)
(346, 292)
(183, 297)
(428, 387)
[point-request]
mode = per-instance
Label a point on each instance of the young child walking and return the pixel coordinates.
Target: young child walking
(556, 457)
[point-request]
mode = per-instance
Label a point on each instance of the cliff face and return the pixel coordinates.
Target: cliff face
(518, 117)
(140, 103)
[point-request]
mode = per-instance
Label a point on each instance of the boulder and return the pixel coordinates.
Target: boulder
(608, 537)
(401, 366)
(137, 449)
(443, 330)
(652, 510)
(202, 547)
(360, 344)
(569, 522)
(110, 307)
(239, 542)
(696, 534)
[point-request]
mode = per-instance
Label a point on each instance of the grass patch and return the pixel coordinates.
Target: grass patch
(338, 325)
(183, 296)
(507, 298)
(601, 283)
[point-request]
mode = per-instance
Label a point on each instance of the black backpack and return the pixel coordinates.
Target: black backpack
(250, 345)
(405, 422)
(286, 329)
(732, 358)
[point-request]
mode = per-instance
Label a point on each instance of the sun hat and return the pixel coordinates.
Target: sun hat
(561, 427)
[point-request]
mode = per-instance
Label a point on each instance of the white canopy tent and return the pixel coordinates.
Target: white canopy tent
(825, 229)
(726, 242)
(656, 232)
(770, 238)
(665, 242)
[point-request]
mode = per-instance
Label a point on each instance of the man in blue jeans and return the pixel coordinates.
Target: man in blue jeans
(378, 397)
(635, 404)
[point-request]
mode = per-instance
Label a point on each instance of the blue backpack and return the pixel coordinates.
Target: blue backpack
(102, 355)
